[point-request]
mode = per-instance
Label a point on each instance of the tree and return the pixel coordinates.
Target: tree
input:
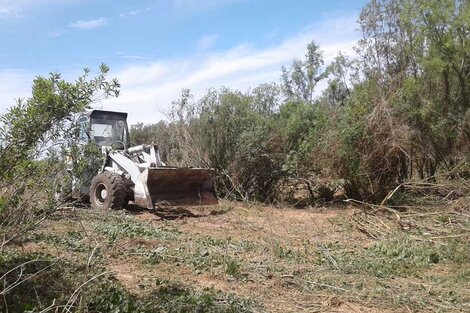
(338, 89)
(299, 82)
(31, 128)
(418, 52)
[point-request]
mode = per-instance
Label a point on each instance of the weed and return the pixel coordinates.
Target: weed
(72, 240)
(110, 296)
(107, 295)
(228, 244)
(154, 256)
(281, 252)
(399, 256)
(46, 279)
(33, 274)
(386, 293)
(177, 298)
(232, 266)
(203, 259)
(398, 271)
(462, 276)
(119, 226)
(286, 252)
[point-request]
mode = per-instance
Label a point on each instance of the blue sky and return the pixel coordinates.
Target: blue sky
(156, 48)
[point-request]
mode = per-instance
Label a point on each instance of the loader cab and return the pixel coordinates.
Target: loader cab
(105, 128)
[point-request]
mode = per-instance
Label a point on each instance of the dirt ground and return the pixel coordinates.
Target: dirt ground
(324, 259)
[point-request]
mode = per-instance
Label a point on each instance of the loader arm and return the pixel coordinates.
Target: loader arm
(137, 175)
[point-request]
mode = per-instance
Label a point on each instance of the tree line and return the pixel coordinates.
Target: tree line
(398, 110)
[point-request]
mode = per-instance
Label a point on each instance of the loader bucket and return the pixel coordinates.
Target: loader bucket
(181, 186)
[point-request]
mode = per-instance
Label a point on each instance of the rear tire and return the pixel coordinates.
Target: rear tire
(107, 191)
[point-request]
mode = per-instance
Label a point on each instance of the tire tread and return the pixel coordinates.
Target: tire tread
(117, 189)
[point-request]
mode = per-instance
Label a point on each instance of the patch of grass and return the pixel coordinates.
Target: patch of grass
(45, 281)
(72, 240)
(285, 252)
(198, 257)
(463, 276)
(177, 298)
(282, 252)
(33, 281)
(227, 244)
(203, 259)
(417, 295)
(154, 256)
(232, 266)
(399, 256)
(398, 271)
(119, 226)
(110, 296)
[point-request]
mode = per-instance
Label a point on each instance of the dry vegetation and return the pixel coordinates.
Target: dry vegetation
(250, 258)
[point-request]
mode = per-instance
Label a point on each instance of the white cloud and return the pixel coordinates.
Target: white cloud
(133, 13)
(55, 33)
(192, 5)
(8, 12)
(10, 9)
(149, 87)
(13, 9)
(206, 42)
(14, 84)
(89, 24)
(148, 90)
(135, 57)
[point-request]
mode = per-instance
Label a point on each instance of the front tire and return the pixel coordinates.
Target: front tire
(107, 191)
